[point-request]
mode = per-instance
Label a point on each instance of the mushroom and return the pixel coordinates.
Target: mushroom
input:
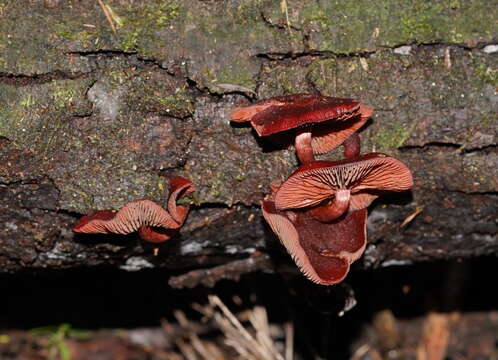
(154, 224)
(329, 189)
(305, 113)
(322, 251)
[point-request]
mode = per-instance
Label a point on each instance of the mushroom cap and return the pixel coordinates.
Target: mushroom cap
(364, 176)
(142, 215)
(287, 112)
(128, 219)
(322, 251)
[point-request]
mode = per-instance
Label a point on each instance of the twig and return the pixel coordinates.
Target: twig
(285, 9)
(412, 216)
(108, 16)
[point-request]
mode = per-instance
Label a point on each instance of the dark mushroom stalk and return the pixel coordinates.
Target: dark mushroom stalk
(303, 113)
(327, 190)
(153, 223)
(352, 146)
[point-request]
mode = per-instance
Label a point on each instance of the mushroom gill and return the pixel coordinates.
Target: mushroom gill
(153, 223)
(335, 187)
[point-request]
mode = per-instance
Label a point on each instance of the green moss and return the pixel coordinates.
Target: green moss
(487, 73)
(417, 23)
(27, 101)
(391, 138)
(7, 120)
(176, 102)
(235, 73)
(323, 74)
(62, 94)
(240, 177)
(284, 79)
(129, 40)
(345, 27)
(138, 23)
(159, 93)
(415, 28)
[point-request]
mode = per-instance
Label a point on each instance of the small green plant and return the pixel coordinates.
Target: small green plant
(28, 101)
(57, 346)
(62, 95)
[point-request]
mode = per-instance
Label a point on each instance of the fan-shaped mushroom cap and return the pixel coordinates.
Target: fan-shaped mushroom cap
(322, 251)
(142, 215)
(287, 112)
(311, 184)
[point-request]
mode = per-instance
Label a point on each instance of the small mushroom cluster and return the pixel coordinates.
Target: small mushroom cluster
(153, 223)
(319, 213)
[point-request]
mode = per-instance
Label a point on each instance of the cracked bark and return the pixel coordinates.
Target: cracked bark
(102, 124)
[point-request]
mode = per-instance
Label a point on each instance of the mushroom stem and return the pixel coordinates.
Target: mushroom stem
(352, 146)
(329, 212)
(302, 143)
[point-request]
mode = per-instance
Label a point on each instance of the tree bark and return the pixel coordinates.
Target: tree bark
(92, 118)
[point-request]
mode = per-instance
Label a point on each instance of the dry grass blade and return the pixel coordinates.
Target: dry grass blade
(365, 351)
(239, 338)
(412, 216)
(200, 347)
(203, 349)
(215, 301)
(289, 340)
(435, 337)
(108, 16)
(187, 350)
(259, 320)
(285, 10)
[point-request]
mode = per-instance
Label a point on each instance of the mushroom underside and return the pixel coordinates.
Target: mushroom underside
(323, 251)
(153, 223)
(364, 176)
(329, 135)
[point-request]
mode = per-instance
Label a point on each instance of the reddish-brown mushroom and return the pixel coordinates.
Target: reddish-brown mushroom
(153, 223)
(322, 251)
(305, 113)
(334, 187)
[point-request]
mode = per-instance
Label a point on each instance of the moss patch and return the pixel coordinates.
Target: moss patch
(138, 23)
(355, 26)
(158, 92)
(284, 79)
(487, 73)
(434, 101)
(391, 138)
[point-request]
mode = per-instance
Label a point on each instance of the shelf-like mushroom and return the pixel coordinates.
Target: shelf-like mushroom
(329, 189)
(153, 223)
(321, 123)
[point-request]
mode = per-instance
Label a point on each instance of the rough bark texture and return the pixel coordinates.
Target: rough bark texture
(92, 119)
